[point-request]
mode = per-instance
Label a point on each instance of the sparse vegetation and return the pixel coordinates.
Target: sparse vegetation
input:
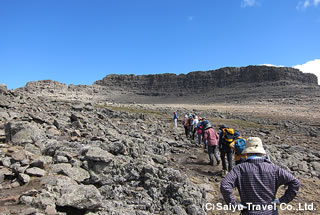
(134, 110)
(240, 123)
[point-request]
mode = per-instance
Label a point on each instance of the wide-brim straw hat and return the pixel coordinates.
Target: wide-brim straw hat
(254, 146)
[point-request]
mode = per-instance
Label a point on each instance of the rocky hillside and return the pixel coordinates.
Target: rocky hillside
(77, 156)
(69, 150)
(206, 81)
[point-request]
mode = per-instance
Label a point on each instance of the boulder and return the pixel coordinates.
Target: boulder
(316, 166)
(159, 159)
(76, 173)
(4, 115)
(80, 196)
(38, 163)
(172, 175)
(22, 132)
(58, 181)
(98, 154)
(19, 155)
(62, 159)
(24, 178)
(35, 171)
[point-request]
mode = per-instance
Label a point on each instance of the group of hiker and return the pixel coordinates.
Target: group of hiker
(228, 141)
(255, 177)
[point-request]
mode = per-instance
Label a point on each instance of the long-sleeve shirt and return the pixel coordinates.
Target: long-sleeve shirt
(211, 136)
(195, 122)
(257, 181)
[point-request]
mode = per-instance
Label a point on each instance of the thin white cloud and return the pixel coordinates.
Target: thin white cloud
(190, 18)
(307, 3)
(312, 66)
(267, 64)
(248, 3)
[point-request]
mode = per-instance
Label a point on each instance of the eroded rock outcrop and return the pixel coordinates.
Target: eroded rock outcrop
(202, 81)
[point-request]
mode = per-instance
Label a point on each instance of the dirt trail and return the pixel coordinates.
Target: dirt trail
(9, 198)
(194, 163)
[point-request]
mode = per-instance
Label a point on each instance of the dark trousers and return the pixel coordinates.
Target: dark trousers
(193, 133)
(213, 150)
(223, 154)
(186, 130)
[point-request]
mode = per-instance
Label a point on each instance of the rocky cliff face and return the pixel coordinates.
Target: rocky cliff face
(163, 84)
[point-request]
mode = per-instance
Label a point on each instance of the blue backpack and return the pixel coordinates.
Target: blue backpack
(239, 146)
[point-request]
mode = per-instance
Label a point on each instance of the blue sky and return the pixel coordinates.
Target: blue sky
(81, 41)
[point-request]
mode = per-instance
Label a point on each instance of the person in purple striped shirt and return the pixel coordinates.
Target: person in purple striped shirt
(257, 180)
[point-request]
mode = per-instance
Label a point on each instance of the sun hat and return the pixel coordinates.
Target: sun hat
(207, 126)
(254, 146)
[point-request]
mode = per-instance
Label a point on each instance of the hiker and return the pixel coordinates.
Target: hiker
(194, 125)
(211, 136)
(238, 145)
(186, 125)
(199, 131)
(257, 181)
(191, 117)
(203, 124)
(175, 120)
(226, 137)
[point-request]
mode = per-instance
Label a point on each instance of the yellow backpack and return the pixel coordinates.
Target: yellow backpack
(228, 135)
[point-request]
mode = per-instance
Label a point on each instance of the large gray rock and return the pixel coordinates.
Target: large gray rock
(4, 115)
(23, 132)
(76, 173)
(172, 175)
(58, 181)
(6, 162)
(24, 178)
(80, 196)
(98, 154)
(35, 171)
(19, 155)
(316, 166)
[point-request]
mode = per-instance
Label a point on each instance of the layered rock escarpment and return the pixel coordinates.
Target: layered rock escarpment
(164, 84)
